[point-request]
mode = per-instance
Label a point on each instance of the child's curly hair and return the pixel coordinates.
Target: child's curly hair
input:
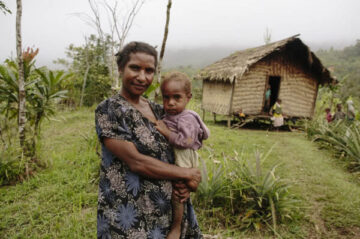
(177, 76)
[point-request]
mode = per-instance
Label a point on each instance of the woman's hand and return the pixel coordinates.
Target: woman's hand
(162, 128)
(195, 180)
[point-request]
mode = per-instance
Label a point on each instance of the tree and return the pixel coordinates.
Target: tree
(86, 51)
(344, 65)
(121, 28)
(22, 100)
(45, 93)
(90, 71)
(120, 23)
(42, 90)
(4, 8)
(162, 51)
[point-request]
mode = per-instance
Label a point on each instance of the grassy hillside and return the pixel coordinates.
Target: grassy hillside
(60, 201)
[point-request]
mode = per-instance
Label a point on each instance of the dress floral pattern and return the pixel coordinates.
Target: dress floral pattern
(130, 205)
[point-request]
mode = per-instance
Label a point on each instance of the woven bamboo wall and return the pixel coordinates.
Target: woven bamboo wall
(249, 91)
(298, 89)
(216, 97)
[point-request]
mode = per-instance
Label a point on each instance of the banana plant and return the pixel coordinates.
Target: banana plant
(46, 93)
(43, 90)
(9, 89)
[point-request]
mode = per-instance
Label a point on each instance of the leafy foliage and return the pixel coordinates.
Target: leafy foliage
(12, 164)
(43, 91)
(341, 137)
(345, 65)
(4, 8)
(95, 54)
(247, 196)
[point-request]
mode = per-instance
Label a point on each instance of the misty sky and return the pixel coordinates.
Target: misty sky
(51, 25)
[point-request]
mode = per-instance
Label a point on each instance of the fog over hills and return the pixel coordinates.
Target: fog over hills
(203, 56)
(197, 57)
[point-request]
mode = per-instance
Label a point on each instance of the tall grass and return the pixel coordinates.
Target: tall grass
(343, 137)
(12, 163)
(243, 195)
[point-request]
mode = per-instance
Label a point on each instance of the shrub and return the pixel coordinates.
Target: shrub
(12, 165)
(244, 196)
(214, 185)
(343, 138)
(262, 197)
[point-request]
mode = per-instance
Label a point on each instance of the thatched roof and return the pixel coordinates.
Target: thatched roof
(234, 66)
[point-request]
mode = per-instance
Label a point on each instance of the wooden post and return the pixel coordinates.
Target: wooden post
(214, 114)
(229, 121)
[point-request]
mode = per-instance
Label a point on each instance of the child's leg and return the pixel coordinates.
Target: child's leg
(178, 211)
(186, 158)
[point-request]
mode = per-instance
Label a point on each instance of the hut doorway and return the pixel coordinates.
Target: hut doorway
(274, 83)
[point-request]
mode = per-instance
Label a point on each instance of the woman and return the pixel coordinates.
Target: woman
(136, 169)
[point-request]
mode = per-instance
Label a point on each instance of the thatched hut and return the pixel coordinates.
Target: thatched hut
(238, 82)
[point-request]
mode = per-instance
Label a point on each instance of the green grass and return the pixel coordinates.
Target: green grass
(60, 201)
(328, 193)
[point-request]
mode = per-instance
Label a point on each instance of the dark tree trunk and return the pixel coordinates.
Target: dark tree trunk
(163, 45)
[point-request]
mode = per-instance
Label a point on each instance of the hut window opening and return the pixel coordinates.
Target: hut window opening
(274, 83)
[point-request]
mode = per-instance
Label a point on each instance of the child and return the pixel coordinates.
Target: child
(328, 115)
(267, 98)
(276, 112)
(339, 114)
(185, 131)
(350, 110)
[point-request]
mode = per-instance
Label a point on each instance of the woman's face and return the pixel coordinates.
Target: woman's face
(138, 74)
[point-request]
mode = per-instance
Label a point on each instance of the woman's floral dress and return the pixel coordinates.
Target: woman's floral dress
(130, 205)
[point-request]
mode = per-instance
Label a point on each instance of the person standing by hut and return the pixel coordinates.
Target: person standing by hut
(267, 98)
(350, 110)
(339, 114)
(328, 115)
(277, 116)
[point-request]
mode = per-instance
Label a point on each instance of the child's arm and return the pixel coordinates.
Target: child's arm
(183, 138)
(187, 133)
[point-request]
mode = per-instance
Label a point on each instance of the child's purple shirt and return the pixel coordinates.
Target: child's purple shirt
(188, 130)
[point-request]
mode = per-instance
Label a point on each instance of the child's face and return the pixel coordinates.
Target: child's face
(174, 97)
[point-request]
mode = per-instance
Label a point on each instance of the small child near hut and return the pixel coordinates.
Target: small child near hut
(328, 115)
(277, 115)
(267, 98)
(350, 110)
(185, 131)
(339, 114)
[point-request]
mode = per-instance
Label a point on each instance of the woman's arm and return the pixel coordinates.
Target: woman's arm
(148, 166)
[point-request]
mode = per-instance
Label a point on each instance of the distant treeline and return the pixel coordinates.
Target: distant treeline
(345, 66)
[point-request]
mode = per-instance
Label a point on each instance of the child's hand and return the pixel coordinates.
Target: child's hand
(181, 191)
(163, 129)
